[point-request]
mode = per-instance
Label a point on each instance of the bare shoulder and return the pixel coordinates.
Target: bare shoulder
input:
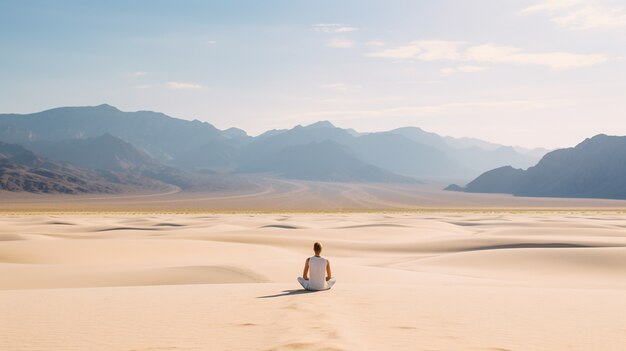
(308, 259)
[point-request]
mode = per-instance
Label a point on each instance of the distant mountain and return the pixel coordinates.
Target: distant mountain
(104, 152)
(499, 180)
(404, 156)
(326, 161)
(23, 170)
(383, 150)
(462, 143)
(471, 156)
(162, 137)
(264, 149)
(595, 168)
(118, 160)
(144, 140)
(236, 133)
(421, 136)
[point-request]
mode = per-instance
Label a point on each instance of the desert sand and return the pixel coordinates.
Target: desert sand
(431, 280)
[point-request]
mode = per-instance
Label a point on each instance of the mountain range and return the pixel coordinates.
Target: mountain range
(595, 168)
(21, 169)
(174, 151)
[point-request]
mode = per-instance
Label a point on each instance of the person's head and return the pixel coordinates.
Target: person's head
(317, 247)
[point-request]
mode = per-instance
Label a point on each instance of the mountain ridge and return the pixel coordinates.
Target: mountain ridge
(21, 169)
(595, 168)
(200, 147)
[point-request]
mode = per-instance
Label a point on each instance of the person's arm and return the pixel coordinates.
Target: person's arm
(305, 274)
(328, 273)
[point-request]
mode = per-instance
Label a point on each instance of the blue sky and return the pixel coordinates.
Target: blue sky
(522, 72)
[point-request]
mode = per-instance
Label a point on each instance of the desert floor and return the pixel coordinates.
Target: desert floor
(417, 280)
(282, 195)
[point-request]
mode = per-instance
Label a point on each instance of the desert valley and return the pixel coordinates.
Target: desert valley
(313, 175)
(212, 263)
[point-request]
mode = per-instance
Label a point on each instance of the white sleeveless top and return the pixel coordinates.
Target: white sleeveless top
(317, 273)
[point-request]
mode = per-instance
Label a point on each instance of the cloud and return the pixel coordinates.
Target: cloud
(471, 69)
(333, 28)
(448, 71)
(375, 43)
(550, 5)
(143, 86)
(579, 14)
(340, 43)
(139, 74)
(425, 50)
(592, 18)
(183, 85)
(210, 42)
(400, 52)
(487, 53)
(341, 87)
(455, 108)
(511, 55)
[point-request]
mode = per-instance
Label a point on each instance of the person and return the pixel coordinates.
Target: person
(317, 274)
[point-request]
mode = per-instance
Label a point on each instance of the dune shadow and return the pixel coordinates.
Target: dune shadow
(10, 237)
(169, 225)
(381, 225)
(288, 293)
(466, 224)
(124, 228)
(281, 226)
(532, 246)
(59, 223)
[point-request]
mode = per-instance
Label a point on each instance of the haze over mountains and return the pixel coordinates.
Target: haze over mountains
(151, 143)
(21, 169)
(595, 168)
(101, 149)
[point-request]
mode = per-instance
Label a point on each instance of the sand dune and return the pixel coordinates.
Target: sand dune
(444, 281)
(426, 281)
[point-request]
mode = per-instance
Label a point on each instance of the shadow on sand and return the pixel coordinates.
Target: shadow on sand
(288, 293)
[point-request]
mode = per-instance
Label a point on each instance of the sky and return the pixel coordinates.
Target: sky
(532, 73)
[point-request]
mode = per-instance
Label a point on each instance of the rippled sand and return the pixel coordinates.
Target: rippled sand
(406, 281)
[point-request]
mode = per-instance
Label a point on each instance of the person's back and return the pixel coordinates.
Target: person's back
(317, 274)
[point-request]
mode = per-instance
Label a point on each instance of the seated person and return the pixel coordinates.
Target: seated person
(316, 275)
